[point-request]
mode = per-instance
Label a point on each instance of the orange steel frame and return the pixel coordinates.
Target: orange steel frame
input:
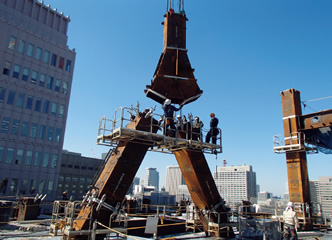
(294, 124)
(173, 79)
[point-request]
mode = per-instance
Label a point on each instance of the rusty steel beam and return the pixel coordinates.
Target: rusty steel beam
(317, 120)
(117, 176)
(202, 188)
(174, 77)
(297, 169)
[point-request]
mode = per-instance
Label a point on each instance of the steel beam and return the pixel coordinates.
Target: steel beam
(317, 120)
(202, 188)
(297, 169)
(116, 177)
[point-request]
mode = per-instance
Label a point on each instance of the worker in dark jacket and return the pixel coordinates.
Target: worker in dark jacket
(213, 129)
(169, 117)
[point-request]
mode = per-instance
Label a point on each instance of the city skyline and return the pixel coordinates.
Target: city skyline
(244, 55)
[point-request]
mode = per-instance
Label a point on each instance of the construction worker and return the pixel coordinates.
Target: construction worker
(169, 117)
(64, 196)
(197, 129)
(213, 129)
(291, 222)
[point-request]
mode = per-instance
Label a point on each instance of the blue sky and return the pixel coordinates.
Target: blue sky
(244, 54)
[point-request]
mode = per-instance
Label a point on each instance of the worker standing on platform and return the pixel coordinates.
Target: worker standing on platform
(169, 117)
(197, 129)
(291, 222)
(213, 129)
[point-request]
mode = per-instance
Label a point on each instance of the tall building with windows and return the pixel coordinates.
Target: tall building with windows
(174, 179)
(236, 183)
(151, 178)
(76, 174)
(35, 83)
(321, 196)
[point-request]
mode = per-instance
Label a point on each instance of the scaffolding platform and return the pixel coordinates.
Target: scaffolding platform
(110, 132)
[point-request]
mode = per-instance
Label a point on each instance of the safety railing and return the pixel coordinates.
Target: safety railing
(171, 135)
(296, 142)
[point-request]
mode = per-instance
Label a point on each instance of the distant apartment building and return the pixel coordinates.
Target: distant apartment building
(262, 196)
(76, 174)
(236, 183)
(321, 196)
(151, 178)
(35, 84)
(174, 178)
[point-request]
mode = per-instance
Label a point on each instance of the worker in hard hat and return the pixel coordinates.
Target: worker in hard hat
(214, 131)
(169, 117)
(197, 129)
(291, 222)
(64, 196)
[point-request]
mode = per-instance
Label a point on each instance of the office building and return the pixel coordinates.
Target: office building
(321, 196)
(35, 84)
(174, 178)
(76, 174)
(236, 183)
(151, 178)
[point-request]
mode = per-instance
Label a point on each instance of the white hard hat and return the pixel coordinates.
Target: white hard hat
(290, 204)
(168, 101)
(178, 116)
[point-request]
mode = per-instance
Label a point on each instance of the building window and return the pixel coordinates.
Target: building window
(58, 134)
(41, 186)
(3, 185)
(53, 60)
(13, 186)
(2, 94)
(16, 72)
(33, 130)
(1, 153)
(64, 87)
(61, 62)
(15, 127)
(28, 158)
(6, 68)
(25, 74)
(5, 125)
(42, 80)
(11, 97)
(38, 53)
(46, 58)
(10, 155)
(50, 82)
(41, 134)
(24, 129)
(23, 187)
(34, 76)
(30, 50)
(12, 42)
(61, 111)
(46, 159)
(37, 159)
(57, 85)
(68, 65)
(54, 108)
(20, 100)
(38, 105)
(19, 156)
(50, 187)
(46, 106)
(33, 184)
(54, 160)
(21, 47)
(50, 134)
(29, 102)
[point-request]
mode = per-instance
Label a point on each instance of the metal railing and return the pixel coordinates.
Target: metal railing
(173, 137)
